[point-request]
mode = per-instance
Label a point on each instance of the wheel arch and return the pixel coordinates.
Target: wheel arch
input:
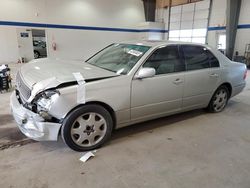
(229, 87)
(104, 105)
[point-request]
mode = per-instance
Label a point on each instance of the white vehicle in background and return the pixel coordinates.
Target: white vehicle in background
(125, 83)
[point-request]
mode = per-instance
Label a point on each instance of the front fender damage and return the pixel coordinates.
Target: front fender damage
(71, 94)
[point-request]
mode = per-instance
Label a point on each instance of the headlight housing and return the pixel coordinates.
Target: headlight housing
(45, 100)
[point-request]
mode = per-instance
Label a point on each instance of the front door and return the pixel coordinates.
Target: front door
(162, 94)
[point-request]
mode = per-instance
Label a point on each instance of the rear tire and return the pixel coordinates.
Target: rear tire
(219, 100)
(87, 127)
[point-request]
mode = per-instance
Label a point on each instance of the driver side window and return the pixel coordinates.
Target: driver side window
(165, 60)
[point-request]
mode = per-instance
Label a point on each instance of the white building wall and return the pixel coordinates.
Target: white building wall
(80, 44)
(8, 45)
(73, 43)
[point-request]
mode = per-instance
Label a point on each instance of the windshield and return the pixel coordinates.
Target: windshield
(118, 58)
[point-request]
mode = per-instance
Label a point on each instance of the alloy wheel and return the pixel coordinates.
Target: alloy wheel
(220, 100)
(88, 129)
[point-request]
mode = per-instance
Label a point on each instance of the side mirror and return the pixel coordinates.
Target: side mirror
(145, 73)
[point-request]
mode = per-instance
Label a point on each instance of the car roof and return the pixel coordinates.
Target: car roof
(156, 43)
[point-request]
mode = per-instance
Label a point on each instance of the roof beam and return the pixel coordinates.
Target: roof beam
(166, 3)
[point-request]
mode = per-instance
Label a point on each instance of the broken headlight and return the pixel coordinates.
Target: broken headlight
(45, 100)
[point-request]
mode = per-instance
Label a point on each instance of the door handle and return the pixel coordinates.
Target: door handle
(178, 81)
(214, 75)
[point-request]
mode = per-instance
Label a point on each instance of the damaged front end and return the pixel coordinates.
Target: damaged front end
(32, 113)
(32, 124)
(40, 109)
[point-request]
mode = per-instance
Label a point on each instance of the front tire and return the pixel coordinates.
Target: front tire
(36, 54)
(87, 127)
(219, 100)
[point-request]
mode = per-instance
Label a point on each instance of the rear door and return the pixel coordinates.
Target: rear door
(161, 94)
(201, 77)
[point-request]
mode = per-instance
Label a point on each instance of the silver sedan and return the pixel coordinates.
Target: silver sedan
(123, 84)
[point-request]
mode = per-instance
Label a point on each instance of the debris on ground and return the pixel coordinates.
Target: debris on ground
(87, 155)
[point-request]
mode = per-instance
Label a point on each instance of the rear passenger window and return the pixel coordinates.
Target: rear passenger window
(198, 57)
(195, 57)
(165, 60)
(213, 60)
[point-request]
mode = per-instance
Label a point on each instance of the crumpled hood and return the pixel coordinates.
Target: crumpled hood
(41, 69)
